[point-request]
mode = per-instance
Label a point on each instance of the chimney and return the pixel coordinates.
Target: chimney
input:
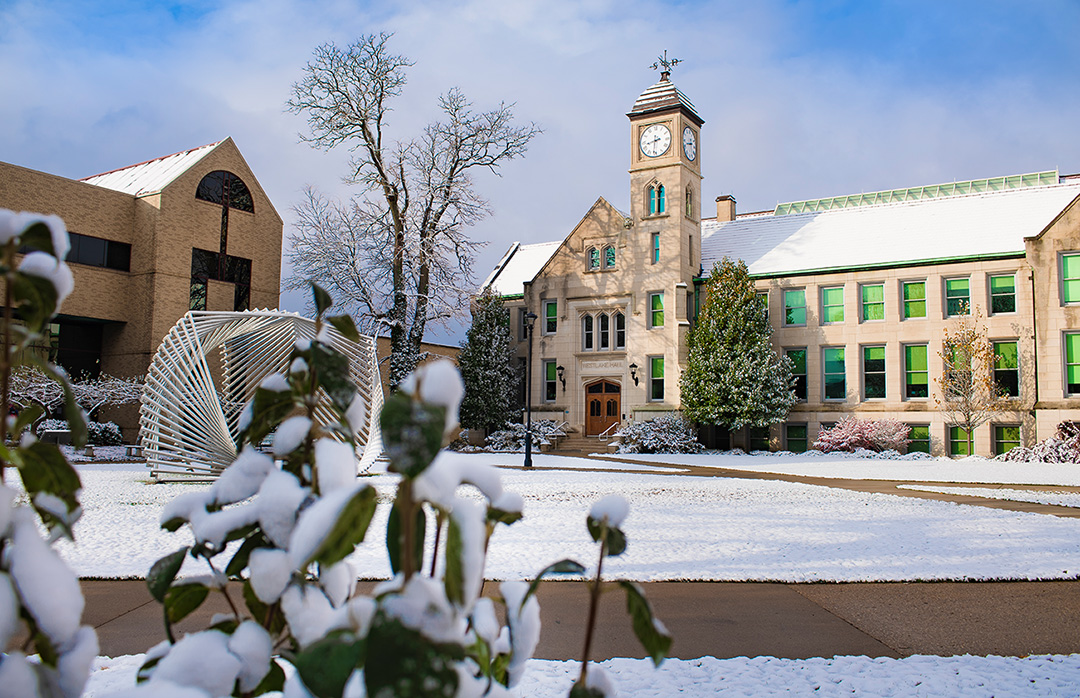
(725, 208)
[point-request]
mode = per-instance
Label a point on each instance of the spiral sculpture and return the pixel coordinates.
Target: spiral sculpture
(193, 396)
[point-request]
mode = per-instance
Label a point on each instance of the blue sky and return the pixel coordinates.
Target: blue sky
(800, 99)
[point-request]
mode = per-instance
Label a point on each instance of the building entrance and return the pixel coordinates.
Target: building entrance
(603, 406)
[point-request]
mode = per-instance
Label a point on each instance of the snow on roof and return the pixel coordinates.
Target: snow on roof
(662, 95)
(910, 232)
(519, 266)
(151, 176)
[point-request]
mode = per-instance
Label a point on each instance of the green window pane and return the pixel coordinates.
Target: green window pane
(796, 437)
(957, 288)
(874, 356)
(916, 376)
(957, 296)
(1072, 363)
(551, 320)
(1006, 355)
(835, 384)
(832, 304)
(1006, 438)
(834, 360)
(1003, 284)
(594, 258)
(920, 438)
(656, 367)
(873, 298)
(795, 307)
(1070, 266)
(798, 358)
(656, 312)
(874, 372)
(915, 299)
(1071, 288)
(549, 370)
(655, 247)
(958, 442)
(916, 357)
(609, 256)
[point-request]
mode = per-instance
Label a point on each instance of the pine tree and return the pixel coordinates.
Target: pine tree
(733, 376)
(487, 366)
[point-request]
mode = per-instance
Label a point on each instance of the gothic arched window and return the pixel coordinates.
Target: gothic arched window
(221, 187)
(609, 257)
(594, 258)
(689, 203)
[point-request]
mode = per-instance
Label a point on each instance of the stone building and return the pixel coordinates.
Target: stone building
(859, 289)
(192, 230)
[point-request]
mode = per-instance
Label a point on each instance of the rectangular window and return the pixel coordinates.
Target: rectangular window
(914, 299)
(1070, 278)
(523, 324)
(873, 302)
(620, 331)
(656, 378)
(873, 373)
(798, 371)
(656, 310)
(919, 436)
(1003, 294)
(605, 332)
(1007, 368)
(795, 307)
(551, 317)
(655, 248)
(832, 304)
(795, 437)
(916, 374)
(759, 438)
(958, 442)
(587, 332)
(551, 377)
(763, 298)
(1006, 438)
(957, 296)
(833, 372)
(1072, 364)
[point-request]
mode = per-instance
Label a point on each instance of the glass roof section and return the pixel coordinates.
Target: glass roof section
(933, 191)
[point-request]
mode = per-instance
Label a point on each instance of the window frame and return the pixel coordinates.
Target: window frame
(654, 253)
(825, 375)
(1066, 281)
(1015, 369)
(909, 372)
(883, 372)
(605, 264)
(999, 440)
(655, 312)
(588, 330)
(805, 438)
(805, 378)
(953, 431)
(789, 308)
(551, 317)
(551, 380)
(928, 439)
(592, 258)
(1066, 364)
(603, 321)
(823, 293)
(993, 296)
(950, 299)
(619, 318)
(905, 302)
(655, 382)
(863, 303)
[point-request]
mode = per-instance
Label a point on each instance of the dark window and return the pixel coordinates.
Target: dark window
(99, 252)
(620, 331)
(759, 438)
(795, 436)
(222, 187)
(798, 371)
(213, 266)
(1007, 368)
(874, 372)
(605, 332)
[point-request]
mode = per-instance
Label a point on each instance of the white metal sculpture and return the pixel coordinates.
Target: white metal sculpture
(193, 396)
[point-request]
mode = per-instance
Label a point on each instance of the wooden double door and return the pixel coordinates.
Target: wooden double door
(603, 406)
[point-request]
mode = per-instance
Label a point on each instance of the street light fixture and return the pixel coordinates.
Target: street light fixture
(633, 373)
(530, 320)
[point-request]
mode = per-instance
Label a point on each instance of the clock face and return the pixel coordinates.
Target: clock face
(655, 140)
(689, 143)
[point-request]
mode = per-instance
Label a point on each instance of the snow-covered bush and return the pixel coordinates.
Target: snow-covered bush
(512, 437)
(97, 433)
(39, 594)
(668, 433)
(1062, 447)
(851, 434)
(30, 385)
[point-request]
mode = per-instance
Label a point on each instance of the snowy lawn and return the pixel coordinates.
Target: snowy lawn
(848, 467)
(1061, 499)
(679, 528)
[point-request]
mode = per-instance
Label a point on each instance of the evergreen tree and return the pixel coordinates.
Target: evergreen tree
(487, 366)
(733, 376)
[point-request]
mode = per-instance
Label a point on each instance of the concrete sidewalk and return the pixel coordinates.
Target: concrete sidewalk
(721, 619)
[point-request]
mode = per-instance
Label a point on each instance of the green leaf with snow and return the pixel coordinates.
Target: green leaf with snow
(240, 560)
(37, 236)
(321, 299)
(27, 416)
(331, 368)
(36, 299)
(580, 690)
(182, 599)
(325, 665)
(504, 517)
(274, 681)
(454, 578)
(163, 572)
(345, 326)
(566, 566)
(266, 615)
(402, 662)
(613, 538)
(395, 537)
(268, 409)
(349, 529)
(652, 635)
(412, 433)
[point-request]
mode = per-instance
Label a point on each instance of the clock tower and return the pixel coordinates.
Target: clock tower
(665, 175)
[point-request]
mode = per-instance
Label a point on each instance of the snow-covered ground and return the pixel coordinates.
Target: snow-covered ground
(845, 466)
(683, 527)
(1061, 499)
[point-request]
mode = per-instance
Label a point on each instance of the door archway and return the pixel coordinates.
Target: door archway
(603, 406)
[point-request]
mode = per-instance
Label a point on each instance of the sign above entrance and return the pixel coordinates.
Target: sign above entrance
(599, 367)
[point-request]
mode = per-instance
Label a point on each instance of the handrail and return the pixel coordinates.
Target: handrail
(605, 434)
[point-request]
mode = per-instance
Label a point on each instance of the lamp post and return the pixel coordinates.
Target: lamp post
(530, 320)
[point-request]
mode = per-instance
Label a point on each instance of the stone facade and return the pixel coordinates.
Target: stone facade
(987, 236)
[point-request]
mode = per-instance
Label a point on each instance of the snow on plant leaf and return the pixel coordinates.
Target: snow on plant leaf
(201, 660)
(49, 590)
(325, 666)
(649, 631)
(75, 663)
(9, 610)
(270, 572)
(337, 464)
(328, 530)
(290, 434)
(613, 508)
(279, 497)
(252, 645)
(242, 478)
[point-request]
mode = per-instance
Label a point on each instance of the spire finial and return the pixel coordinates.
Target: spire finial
(664, 65)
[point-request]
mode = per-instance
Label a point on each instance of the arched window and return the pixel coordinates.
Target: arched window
(651, 193)
(660, 198)
(587, 332)
(221, 187)
(609, 257)
(594, 258)
(689, 203)
(605, 333)
(620, 331)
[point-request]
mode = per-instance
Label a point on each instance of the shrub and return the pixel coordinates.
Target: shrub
(851, 434)
(512, 437)
(669, 433)
(1062, 447)
(97, 433)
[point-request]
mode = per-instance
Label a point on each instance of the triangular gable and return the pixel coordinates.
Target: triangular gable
(601, 203)
(150, 177)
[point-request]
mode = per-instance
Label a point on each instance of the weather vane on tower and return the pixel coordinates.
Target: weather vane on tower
(664, 65)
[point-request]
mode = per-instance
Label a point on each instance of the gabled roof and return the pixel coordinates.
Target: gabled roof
(664, 96)
(518, 267)
(975, 225)
(152, 176)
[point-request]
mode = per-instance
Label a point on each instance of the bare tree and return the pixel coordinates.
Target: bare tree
(396, 255)
(969, 395)
(30, 385)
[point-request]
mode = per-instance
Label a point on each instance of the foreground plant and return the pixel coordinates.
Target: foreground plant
(39, 595)
(426, 632)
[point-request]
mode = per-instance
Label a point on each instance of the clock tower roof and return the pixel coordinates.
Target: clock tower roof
(662, 97)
